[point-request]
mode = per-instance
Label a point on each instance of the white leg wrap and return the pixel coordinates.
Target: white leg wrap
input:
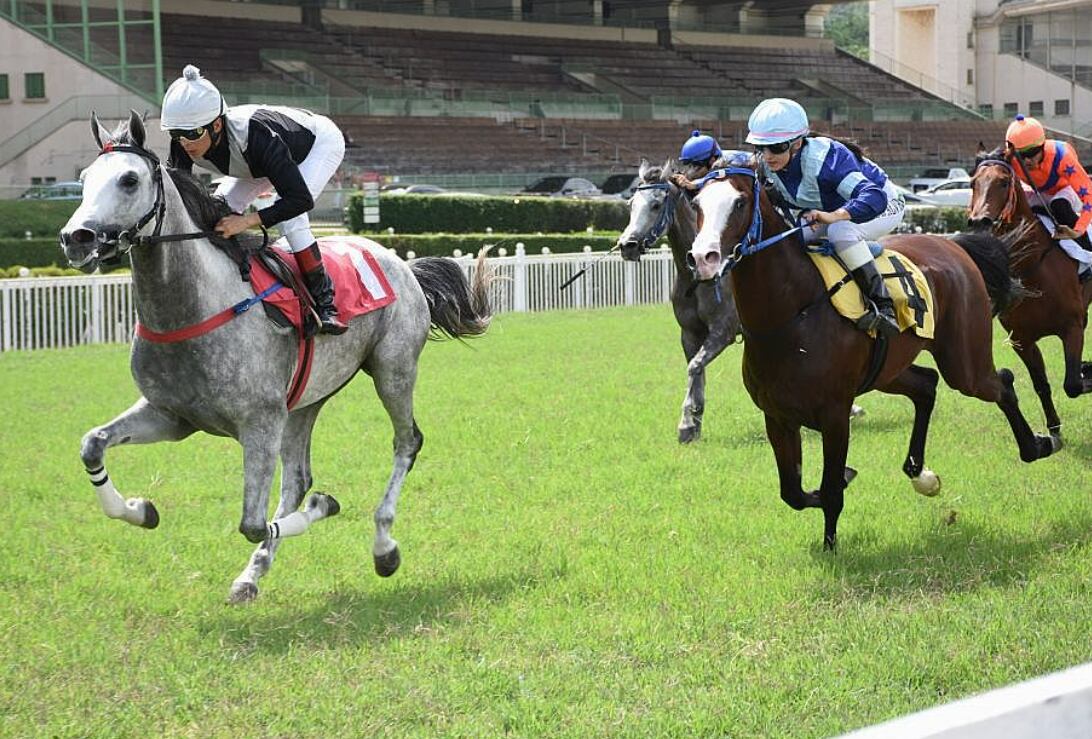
(295, 523)
(113, 505)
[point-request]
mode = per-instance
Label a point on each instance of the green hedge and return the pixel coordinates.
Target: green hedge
(936, 220)
(512, 214)
(31, 253)
(442, 245)
(43, 218)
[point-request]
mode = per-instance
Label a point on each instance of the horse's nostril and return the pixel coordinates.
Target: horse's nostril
(690, 260)
(81, 236)
(712, 257)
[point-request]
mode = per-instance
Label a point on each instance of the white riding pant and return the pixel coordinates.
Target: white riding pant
(850, 238)
(317, 169)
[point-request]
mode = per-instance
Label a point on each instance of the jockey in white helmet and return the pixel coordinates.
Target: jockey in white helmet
(844, 196)
(258, 146)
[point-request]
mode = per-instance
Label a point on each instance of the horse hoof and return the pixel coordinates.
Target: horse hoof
(857, 411)
(325, 501)
(1050, 444)
(927, 483)
(1086, 370)
(151, 516)
(387, 564)
(242, 592)
(830, 544)
(850, 475)
(689, 434)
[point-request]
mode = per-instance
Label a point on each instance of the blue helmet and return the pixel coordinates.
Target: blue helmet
(699, 148)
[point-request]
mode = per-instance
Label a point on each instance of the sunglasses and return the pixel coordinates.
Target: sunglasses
(779, 148)
(1032, 151)
(190, 134)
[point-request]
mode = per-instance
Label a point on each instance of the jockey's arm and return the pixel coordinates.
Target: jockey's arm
(269, 154)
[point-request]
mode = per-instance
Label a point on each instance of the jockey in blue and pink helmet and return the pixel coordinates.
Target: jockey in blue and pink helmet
(841, 194)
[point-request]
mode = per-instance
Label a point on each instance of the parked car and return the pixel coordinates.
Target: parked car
(956, 192)
(559, 186)
(912, 199)
(55, 191)
(413, 190)
(621, 185)
(934, 176)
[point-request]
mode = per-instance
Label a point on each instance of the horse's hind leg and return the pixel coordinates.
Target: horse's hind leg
(920, 385)
(1033, 360)
(288, 520)
(1076, 383)
(394, 380)
(141, 424)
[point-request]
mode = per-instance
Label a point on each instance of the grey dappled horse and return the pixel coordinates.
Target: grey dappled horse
(705, 311)
(232, 380)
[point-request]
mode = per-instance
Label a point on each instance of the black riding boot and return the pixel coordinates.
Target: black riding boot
(883, 318)
(321, 288)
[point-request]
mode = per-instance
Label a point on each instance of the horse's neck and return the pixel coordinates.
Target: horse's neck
(1035, 242)
(680, 236)
(773, 285)
(178, 283)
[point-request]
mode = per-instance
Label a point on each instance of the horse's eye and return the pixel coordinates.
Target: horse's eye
(738, 205)
(129, 180)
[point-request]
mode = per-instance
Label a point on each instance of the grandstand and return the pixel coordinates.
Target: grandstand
(423, 95)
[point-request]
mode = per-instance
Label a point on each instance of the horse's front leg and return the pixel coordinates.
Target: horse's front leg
(1076, 383)
(693, 406)
(141, 424)
(785, 440)
(288, 520)
(835, 475)
(261, 440)
(1029, 353)
(920, 385)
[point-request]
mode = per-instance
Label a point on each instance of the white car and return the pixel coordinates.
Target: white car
(954, 193)
(935, 176)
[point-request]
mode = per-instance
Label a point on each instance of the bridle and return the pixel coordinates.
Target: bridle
(114, 244)
(664, 221)
(752, 241)
(1009, 209)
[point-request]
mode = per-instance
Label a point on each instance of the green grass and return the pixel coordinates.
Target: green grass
(568, 568)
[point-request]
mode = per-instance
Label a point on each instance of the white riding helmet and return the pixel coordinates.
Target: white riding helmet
(191, 101)
(776, 120)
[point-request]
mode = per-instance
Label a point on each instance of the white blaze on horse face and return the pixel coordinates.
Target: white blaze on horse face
(717, 202)
(117, 191)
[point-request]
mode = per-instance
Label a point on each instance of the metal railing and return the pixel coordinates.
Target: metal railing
(57, 312)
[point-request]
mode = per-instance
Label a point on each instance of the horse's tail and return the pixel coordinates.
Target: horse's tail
(991, 255)
(456, 307)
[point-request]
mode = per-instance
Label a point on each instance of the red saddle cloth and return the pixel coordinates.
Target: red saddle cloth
(360, 286)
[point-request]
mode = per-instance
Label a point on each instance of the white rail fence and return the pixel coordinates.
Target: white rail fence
(50, 313)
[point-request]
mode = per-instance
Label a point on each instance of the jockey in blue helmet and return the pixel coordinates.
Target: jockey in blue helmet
(698, 154)
(843, 195)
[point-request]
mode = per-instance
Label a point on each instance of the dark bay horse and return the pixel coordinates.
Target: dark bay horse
(803, 363)
(706, 312)
(231, 380)
(1059, 306)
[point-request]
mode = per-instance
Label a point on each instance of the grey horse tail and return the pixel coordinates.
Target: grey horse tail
(457, 308)
(991, 255)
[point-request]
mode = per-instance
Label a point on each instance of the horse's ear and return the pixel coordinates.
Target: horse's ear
(642, 168)
(136, 128)
(100, 133)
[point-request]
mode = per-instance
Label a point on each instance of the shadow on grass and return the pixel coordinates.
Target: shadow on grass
(357, 616)
(949, 558)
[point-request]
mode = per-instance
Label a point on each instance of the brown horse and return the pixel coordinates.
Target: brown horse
(1060, 305)
(803, 363)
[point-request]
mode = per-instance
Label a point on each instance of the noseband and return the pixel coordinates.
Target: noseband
(752, 241)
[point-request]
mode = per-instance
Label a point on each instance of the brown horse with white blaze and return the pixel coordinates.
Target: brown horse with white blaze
(1059, 306)
(803, 363)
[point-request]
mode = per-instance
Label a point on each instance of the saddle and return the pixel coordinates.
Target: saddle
(905, 282)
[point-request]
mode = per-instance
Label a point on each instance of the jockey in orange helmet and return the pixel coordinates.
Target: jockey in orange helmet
(1054, 171)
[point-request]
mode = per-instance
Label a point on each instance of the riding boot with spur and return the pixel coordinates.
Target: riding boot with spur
(875, 291)
(321, 288)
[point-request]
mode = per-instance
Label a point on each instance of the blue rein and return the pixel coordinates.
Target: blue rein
(752, 241)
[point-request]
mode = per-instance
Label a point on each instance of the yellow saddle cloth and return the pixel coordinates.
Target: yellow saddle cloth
(905, 282)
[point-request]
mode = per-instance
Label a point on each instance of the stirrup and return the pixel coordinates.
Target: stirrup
(331, 326)
(876, 320)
